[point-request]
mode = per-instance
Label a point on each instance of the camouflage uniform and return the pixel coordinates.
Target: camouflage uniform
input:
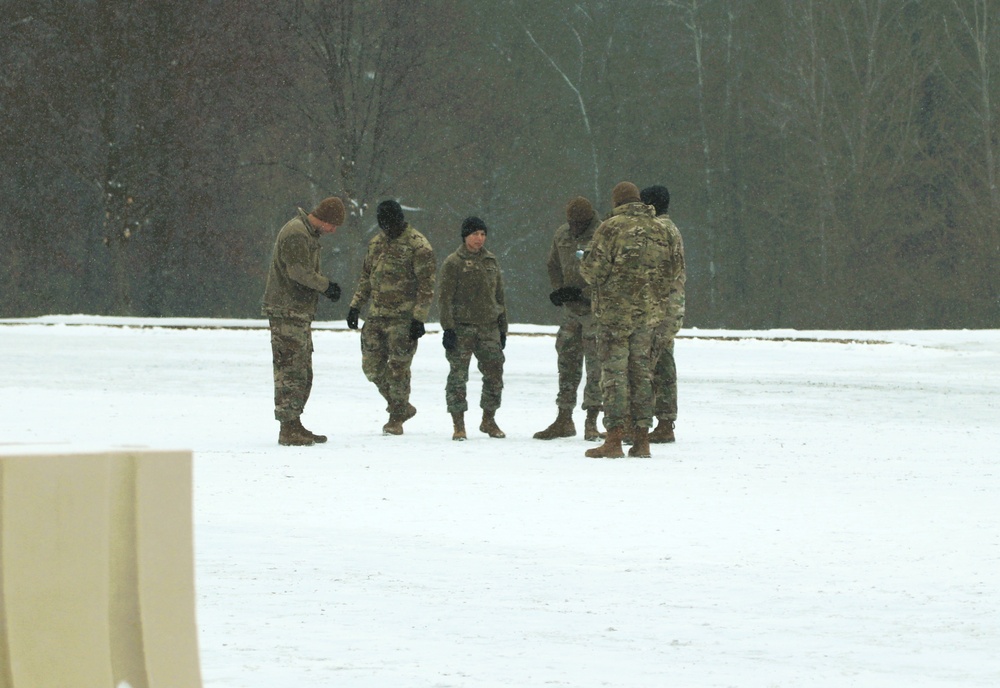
(397, 277)
(629, 268)
(665, 371)
(291, 351)
(576, 341)
(293, 287)
(471, 300)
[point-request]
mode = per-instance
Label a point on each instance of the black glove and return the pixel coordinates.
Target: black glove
(332, 292)
(416, 329)
(352, 318)
(503, 339)
(565, 294)
(449, 339)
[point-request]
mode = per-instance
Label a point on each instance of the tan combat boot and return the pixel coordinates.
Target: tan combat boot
(459, 420)
(489, 425)
(318, 439)
(396, 420)
(627, 432)
(561, 427)
(640, 443)
(590, 431)
(663, 433)
(292, 434)
(612, 447)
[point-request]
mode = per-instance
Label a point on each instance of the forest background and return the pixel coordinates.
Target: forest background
(832, 163)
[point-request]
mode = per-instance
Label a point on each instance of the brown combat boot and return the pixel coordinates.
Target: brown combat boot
(396, 420)
(561, 427)
(292, 434)
(459, 420)
(489, 425)
(612, 447)
(640, 443)
(663, 433)
(627, 433)
(318, 439)
(590, 431)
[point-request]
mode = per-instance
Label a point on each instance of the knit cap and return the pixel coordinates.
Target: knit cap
(330, 210)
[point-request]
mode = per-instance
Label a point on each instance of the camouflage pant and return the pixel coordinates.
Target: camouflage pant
(291, 355)
(386, 354)
(665, 371)
(483, 342)
(626, 376)
(665, 380)
(576, 343)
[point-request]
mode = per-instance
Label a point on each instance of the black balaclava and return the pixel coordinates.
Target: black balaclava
(390, 218)
(656, 196)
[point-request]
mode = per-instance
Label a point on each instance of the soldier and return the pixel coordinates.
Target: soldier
(576, 341)
(665, 369)
(398, 278)
(294, 284)
(474, 321)
(628, 267)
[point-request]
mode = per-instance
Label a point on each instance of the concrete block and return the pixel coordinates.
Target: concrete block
(96, 570)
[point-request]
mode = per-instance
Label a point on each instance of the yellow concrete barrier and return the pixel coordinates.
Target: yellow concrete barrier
(96, 570)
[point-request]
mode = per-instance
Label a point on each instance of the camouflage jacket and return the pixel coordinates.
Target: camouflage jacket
(564, 266)
(397, 277)
(471, 290)
(293, 280)
(675, 301)
(630, 267)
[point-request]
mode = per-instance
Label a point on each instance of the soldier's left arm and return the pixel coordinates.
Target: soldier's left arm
(501, 300)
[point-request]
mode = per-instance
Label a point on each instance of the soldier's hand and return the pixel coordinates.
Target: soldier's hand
(416, 329)
(352, 318)
(566, 294)
(555, 298)
(332, 291)
(449, 340)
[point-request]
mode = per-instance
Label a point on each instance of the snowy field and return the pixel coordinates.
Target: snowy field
(829, 516)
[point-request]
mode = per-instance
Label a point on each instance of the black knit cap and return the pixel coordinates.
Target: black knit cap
(656, 196)
(389, 215)
(473, 224)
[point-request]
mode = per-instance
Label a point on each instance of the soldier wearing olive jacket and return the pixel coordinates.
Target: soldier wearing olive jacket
(576, 341)
(294, 284)
(474, 321)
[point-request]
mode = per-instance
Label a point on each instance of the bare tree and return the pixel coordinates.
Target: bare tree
(577, 22)
(370, 54)
(977, 41)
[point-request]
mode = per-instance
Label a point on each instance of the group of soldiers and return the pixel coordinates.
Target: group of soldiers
(620, 283)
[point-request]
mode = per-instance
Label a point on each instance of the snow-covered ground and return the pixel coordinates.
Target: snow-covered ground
(829, 516)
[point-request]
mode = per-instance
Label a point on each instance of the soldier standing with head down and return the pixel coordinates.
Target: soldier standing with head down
(665, 370)
(397, 277)
(629, 268)
(474, 323)
(294, 284)
(576, 341)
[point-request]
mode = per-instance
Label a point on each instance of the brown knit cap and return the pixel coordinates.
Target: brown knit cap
(330, 210)
(579, 210)
(624, 192)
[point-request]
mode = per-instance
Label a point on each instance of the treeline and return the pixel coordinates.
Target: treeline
(832, 163)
